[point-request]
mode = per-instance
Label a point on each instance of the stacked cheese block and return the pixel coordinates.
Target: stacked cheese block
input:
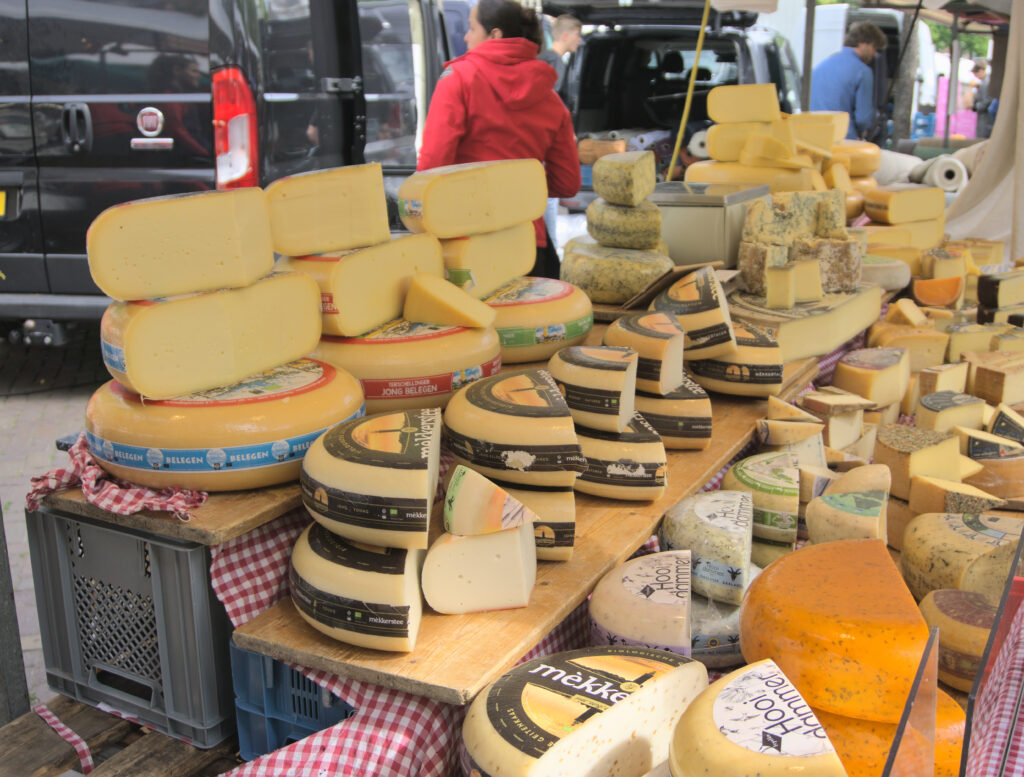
(211, 391)
(910, 212)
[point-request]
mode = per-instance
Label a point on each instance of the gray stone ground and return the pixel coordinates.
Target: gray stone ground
(43, 394)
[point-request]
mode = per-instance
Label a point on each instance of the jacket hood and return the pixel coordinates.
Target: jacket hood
(511, 68)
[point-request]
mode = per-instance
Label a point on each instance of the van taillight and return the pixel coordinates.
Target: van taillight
(234, 130)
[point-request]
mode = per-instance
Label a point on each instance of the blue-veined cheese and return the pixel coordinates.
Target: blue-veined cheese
(538, 316)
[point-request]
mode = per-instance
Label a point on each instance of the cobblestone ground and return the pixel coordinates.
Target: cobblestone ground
(43, 393)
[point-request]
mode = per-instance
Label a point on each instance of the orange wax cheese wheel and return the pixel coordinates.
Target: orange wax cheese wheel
(538, 316)
(840, 622)
(248, 435)
(939, 292)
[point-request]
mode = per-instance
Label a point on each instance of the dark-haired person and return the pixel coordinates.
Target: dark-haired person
(982, 100)
(497, 101)
(845, 82)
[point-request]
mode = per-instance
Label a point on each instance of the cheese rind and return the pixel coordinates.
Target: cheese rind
(659, 340)
(698, 302)
(682, 417)
(203, 341)
(627, 465)
(610, 275)
(964, 621)
(538, 316)
(773, 481)
(138, 250)
(934, 495)
(753, 369)
(945, 409)
(618, 226)
(481, 264)
(847, 516)
(598, 383)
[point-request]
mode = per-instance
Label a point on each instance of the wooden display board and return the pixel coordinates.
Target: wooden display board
(456, 656)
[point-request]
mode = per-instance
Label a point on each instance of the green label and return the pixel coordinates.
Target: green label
(519, 337)
(868, 504)
(461, 277)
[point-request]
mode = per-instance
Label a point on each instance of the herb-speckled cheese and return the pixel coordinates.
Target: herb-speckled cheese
(964, 620)
(626, 178)
(620, 227)
(611, 275)
(773, 481)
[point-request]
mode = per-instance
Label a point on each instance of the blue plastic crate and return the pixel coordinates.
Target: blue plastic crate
(586, 175)
(277, 705)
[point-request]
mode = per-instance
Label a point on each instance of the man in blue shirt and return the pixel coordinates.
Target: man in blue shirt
(845, 82)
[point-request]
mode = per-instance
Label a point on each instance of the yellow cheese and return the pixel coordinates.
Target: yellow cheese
(475, 505)
(682, 416)
(745, 102)
(906, 312)
(474, 197)
(847, 516)
(934, 495)
(328, 210)
(943, 410)
(659, 340)
(362, 289)
(863, 183)
(944, 377)
(909, 451)
(780, 286)
(1002, 382)
(627, 465)
(778, 410)
(1000, 477)
(481, 264)
(753, 369)
(163, 349)
(538, 316)
(763, 552)
(980, 445)
(611, 275)
(619, 226)
(864, 447)
(598, 383)
(864, 158)
(826, 403)
(964, 621)
(944, 263)
(780, 179)
(813, 132)
(922, 235)
(248, 435)
(725, 141)
(626, 178)
(1007, 423)
(900, 203)
(909, 402)
(969, 337)
(554, 522)
(699, 303)
(878, 374)
(140, 250)
(925, 347)
(843, 429)
(839, 120)
(773, 481)
(433, 300)
(373, 479)
(837, 176)
(403, 365)
(807, 281)
(884, 234)
(776, 433)
(360, 594)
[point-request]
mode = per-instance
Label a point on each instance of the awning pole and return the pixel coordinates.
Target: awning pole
(689, 91)
(805, 83)
(954, 77)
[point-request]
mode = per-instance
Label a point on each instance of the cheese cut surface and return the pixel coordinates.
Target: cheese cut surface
(1008, 423)
(716, 527)
(627, 465)
(773, 481)
(474, 573)
(644, 601)
(138, 250)
(179, 346)
(625, 179)
(363, 289)
(890, 274)
(328, 210)
(538, 316)
(618, 226)
(945, 409)
(779, 410)
(599, 711)
(475, 197)
(659, 340)
(698, 302)
(851, 642)
(900, 203)
(976, 551)
(360, 594)
(373, 479)
(598, 383)
(515, 427)
(1000, 290)
(481, 264)
(924, 346)
(753, 369)
(475, 505)
(554, 526)
(934, 495)
(608, 274)
(879, 374)
(726, 141)
(682, 417)
(908, 451)
(944, 377)
(248, 435)
(752, 723)
(433, 300)
(964, 621)
(847, 516)
(403, 365)
(747, 102)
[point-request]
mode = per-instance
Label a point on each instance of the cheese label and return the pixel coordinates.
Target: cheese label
(599, 635)
(398, 331)
(327, 306)
(400, 440)
(428, 385)
(677, 426)
(987, 529)
(769, 374)
(761, 711)
(625, 472)
(520, 457)
(522, 337)
(113, 356)
(540, 701)
(461, 277)
(695, 293)
(387, 513)
(982, 450)
(554, 535)
(707, 645)
(868, 504)
(413, 208)
(529, 291)
(529, 393)
(1005, 426)
(608, 358)
(943, 400)
(874, 358)
(663, 578)
(726, 510)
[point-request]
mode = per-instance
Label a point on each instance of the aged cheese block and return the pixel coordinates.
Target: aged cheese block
(878, 374)
(755, 260)
(625, 179)
(964, 621)
(890, 274)
(698, 302)
(746, 102)
(1000, 290)
(138, 250)
(163, 349)
(466, 199)
(934, 495)
(754, 369)
(1001, 383)
(900, 203)
(580, 712)
(360, 594)
(610, 275)
(538, 316)
(828, 211)
(618, 226)
(968, 337)
(765, 552)
(924, 346)
(943, 377)
(945, 409)
(906, 312)
(779, 410)
(788, 217)
(1007, 422)
(847, 516)
(944, 262)
(839, 261)
(659, 340)
(481, 264)
(682, 417)
(909, 451)
(827, 403)
(1001, 477)
(984, 445)
(475, 505)
(773, 481)
(627, 465)
(726, 141)
(851, 641)
(328, 210)
(598, 383)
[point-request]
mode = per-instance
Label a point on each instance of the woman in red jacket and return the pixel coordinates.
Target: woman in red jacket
(497, 101)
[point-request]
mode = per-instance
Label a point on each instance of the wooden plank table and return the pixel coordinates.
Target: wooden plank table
(457, 655)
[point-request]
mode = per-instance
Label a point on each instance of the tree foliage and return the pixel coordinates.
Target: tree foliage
(971, 46)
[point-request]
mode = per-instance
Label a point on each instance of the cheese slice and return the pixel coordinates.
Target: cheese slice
(682, 417)
(554, 522)
(481, 264)
(360, 594)
(698, 302)
(433, 300)
(841, 623)
(879, 374)
(716, 527)
(138, 250)
(743, 102)
(779, 410)
(644, 601)
(753, 721)
(773, 481)
(598, 383)
(328, 210)
(906, 312)
(753, 369)
(934, 495)
(475, 505)
(163, 349)
(474, 573)
(373, 479)
(909, 451)
(964, 621)
(611, 275)
(658, 338)
(847, 516)
(538, 316)
(780, 286)
(1008, 423)
(473, 197)
(515, 426)
(945, 409)
(625, 178)
(619, 226)
(623, 465)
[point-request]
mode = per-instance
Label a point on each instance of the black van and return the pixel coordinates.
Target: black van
(104, 101)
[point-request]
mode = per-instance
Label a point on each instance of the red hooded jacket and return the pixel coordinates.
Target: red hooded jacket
(497, 101)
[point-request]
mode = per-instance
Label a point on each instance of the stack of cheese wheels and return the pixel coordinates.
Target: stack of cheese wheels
(206, 344)
(624, 252)
(901, 214)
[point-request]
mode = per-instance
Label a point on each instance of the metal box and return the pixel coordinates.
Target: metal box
(702, 222)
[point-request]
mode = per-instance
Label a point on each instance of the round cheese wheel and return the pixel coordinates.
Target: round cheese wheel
(538, 316)
(404, 365)
(252, 434)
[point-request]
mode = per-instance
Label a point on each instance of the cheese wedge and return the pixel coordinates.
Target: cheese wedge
(433, 300)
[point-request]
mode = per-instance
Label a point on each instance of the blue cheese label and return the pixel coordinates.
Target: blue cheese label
(113, 356)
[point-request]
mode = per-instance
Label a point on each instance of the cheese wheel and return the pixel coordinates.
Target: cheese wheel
(902, 203)
(360, 594)
(627, 465)
(598, 383)
(773, 481)
(577, 712)
(698, 302)
(481, 264)
(964, 621)
(475, 505)
(617, 226)
(403, 364)
(249, 435)
(373, 479)
(626, 178)
(754, 369)
(659, 340)
(682, 417)
(163, 349)
(554, 521)
(538, 316)
(860, 157)
(608, 274)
